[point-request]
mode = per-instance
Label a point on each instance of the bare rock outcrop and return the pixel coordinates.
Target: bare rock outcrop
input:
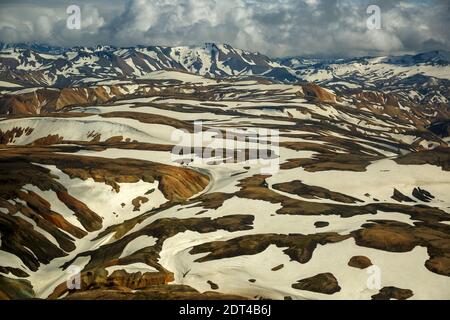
(322, 283)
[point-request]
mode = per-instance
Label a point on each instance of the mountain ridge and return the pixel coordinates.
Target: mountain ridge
(423, 77)
(335, 175)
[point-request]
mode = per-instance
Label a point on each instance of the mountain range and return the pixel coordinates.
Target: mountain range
(92, 184)
(421, 78)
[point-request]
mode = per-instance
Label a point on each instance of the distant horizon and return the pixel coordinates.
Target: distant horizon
(318, 56)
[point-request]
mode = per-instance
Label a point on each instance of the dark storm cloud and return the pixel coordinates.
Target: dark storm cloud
(275, 27)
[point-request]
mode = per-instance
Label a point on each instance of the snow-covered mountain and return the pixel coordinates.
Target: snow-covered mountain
(422, 78)
(40, 65)
(90, 181)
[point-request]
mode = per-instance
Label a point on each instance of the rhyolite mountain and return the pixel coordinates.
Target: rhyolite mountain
(421, 78)
(42, 65)
(91, 178)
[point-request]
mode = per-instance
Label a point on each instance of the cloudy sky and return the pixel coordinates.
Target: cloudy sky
(273, 27)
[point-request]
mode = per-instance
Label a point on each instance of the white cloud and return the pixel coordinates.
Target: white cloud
(275, 27)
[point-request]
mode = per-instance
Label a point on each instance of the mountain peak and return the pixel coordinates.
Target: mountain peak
(82, 65)
(435, 56)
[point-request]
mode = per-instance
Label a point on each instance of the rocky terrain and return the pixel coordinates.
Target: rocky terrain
(421, 78)
(90, 178)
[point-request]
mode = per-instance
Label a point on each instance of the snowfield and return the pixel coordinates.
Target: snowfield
(97, 186)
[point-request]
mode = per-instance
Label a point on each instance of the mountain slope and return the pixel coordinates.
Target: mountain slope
(422, 78)
(100, 188)
(80, 64)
